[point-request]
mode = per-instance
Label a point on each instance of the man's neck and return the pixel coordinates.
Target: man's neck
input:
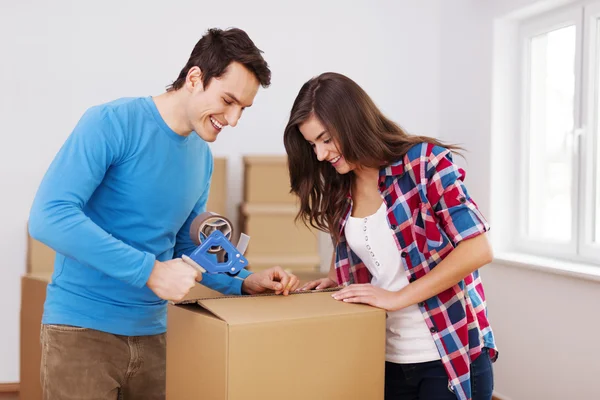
(171, 107)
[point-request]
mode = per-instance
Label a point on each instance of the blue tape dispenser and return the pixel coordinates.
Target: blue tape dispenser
(212, 233)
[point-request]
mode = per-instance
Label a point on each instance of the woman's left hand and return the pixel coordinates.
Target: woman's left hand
(368, 294)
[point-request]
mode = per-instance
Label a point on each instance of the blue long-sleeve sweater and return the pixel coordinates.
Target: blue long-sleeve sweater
(120, 194)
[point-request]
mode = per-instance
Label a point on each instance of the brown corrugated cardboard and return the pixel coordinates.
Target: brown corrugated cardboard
(302, 346)
(266, 180)
(274, 232)
(33, 295)
(217, 198)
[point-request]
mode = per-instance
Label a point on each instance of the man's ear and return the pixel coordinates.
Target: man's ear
(193, 80)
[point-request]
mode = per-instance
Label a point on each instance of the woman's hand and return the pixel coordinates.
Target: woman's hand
(368, 294)
(318, 284)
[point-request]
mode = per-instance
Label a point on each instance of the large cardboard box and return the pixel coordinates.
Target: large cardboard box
(302, 346)
(274, 235)
(267, 180)
(33, 295)
(217, 198)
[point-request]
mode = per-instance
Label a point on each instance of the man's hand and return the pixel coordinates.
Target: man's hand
(173, 279)
(323, 283)
(270, 280)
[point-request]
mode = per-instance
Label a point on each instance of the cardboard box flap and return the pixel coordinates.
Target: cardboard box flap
(243, 310)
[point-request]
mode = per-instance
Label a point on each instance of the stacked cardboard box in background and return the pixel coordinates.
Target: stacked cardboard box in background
(217, 199)
(267, 215)
(40, 263)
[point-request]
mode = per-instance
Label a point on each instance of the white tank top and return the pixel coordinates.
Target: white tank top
(408, 339)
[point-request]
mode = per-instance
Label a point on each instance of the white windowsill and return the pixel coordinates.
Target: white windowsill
(551, 265)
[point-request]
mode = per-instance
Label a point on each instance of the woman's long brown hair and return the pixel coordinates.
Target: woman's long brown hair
(365, 137)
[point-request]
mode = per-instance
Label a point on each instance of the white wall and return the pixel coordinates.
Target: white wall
(61, 57)
(545, 324)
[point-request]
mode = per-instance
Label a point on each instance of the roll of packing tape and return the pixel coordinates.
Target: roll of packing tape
(205, 224)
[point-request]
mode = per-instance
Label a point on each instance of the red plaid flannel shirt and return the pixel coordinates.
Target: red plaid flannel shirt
(430, 212)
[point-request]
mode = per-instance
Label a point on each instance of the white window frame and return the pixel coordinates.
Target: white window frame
(584, 16)
(589, 140)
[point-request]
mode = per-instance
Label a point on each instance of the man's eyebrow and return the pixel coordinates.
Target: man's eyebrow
(235, 99)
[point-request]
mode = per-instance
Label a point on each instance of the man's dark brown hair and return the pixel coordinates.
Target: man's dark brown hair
(217, 49)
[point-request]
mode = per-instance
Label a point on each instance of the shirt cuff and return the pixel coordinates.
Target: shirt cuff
(145, 270)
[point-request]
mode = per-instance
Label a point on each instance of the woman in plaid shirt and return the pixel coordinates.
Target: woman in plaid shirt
(408, 238)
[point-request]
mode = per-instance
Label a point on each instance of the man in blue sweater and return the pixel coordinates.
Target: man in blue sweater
(117, 203)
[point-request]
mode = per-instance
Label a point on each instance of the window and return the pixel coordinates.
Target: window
(559, 158)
